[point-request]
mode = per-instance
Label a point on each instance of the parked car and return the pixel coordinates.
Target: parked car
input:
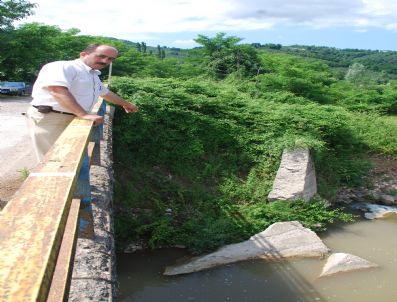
(15, 88)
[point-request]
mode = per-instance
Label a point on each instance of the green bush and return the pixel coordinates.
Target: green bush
(199, 159)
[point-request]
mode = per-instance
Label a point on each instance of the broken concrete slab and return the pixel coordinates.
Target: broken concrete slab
(343, 262)
(279, 241)
(296, 177)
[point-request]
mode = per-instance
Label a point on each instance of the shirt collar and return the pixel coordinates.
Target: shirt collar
(86, 67)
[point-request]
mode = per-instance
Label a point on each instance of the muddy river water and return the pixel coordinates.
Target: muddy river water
(141, 279)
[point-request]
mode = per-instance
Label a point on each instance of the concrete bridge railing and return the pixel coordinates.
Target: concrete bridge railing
(39, 225)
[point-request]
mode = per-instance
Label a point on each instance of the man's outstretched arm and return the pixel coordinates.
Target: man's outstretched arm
(117, 100)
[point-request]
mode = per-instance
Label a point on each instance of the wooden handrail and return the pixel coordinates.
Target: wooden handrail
(33, 222)
(63, 269)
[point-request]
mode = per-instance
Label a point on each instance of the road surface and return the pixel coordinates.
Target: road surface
(16, 151)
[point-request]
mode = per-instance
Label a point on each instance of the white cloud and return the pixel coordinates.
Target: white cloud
(380, 7)
(318, 14)
(392, 26)
(138, 20)
(294, 11)
(123, 16)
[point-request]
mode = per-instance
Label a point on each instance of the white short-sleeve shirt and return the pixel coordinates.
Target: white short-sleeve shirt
(82, 81)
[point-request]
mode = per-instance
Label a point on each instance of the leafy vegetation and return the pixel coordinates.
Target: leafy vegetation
(196, 164)
(224, 56)
(374, 60)
(13, 10)
(201, 159)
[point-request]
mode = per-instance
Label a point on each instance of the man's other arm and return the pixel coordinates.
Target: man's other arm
(63, 96)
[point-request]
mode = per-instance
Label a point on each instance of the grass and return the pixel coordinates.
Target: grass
(24, 173)
(391, 192)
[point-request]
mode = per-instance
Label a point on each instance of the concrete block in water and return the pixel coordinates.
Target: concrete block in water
(296, 177)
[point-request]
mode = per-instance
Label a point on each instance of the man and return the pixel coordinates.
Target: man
(68, 89)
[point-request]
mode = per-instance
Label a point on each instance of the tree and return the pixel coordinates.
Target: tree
(130, 62)
(25, 49)
(302, 77)
(159, 51)
(355, 72)
(360, 75)
(225, 56)
(13, 10)
(10, 11)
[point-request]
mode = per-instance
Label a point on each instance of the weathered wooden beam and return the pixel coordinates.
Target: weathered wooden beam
(63, 269)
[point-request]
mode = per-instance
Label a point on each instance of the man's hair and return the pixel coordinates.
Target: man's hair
(91, 48)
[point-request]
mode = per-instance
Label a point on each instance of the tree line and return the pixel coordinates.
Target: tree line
(24, 49)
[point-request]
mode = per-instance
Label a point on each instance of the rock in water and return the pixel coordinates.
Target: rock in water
(379, 211)
(342, 262)
(279, 241)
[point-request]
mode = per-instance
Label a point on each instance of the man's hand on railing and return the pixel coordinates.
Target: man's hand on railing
(97, 119)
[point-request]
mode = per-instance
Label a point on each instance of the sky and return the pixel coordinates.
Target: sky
(361, 24)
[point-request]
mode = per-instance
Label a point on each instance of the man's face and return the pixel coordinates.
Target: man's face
(100, 58)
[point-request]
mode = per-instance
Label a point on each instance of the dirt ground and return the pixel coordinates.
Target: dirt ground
(16, 151)
(384, 164)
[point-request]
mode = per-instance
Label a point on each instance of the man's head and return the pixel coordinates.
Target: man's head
(98, 56)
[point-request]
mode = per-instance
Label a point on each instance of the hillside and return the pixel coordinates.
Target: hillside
(200, 158)
(375, 60)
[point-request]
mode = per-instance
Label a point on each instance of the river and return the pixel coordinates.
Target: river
(141, 279)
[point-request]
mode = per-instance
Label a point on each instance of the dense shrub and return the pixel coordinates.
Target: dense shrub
(195, 165)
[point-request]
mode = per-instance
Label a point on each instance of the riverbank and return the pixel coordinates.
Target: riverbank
(379, 185)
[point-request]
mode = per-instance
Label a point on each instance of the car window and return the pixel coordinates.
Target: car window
(13, 84)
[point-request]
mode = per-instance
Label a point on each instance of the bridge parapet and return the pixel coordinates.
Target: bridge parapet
(38, 226)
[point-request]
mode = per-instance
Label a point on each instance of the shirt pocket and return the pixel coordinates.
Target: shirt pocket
(82, 86)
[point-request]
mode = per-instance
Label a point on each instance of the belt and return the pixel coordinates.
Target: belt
(56, 111)
(62, 112)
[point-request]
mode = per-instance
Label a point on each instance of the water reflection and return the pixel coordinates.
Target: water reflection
(247, 281)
